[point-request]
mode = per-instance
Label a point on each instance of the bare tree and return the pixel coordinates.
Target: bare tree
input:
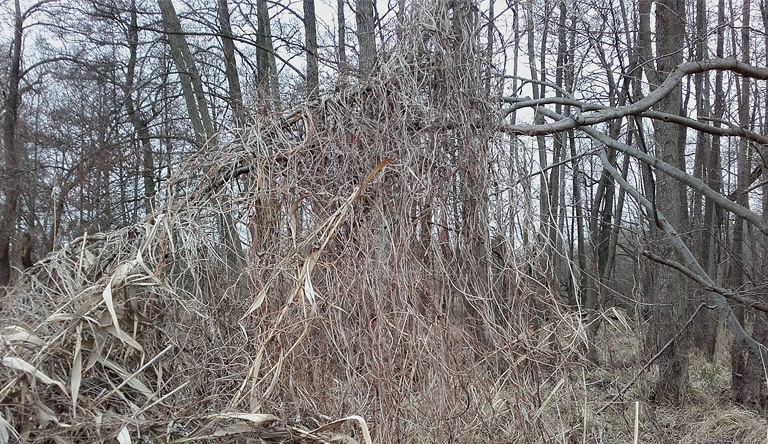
(366, 37)
(670, 309)
(266, 67)
(230, 65)
(11, 172)
(139, 122)
(310, 39)
(341, 44)
(702, 220)
(746, 368)
(191, 83)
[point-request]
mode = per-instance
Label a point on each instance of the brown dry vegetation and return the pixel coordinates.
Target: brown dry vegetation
(369, 285)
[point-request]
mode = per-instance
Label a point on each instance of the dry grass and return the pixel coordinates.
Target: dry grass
(707, 414)
(366, 283)
(333, 261)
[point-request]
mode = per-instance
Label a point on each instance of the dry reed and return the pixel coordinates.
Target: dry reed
(336, 260)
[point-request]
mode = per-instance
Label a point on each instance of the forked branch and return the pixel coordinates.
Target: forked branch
(643, 105)
(689, 180)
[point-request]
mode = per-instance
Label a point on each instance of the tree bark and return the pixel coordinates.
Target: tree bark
(197, 105)
(11, 183)
(230, 65)
(342, 37)
(489, 47)
(310, 44)
(191, 82)
(140, 125)
(366, 37)
(746, 368)
(668, 310)
(266, 67)
(761, 276)
(704, 328)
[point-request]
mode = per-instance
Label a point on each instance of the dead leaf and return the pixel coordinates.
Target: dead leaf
(20, 364)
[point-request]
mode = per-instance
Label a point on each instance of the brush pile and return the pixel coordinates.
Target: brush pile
(366, 257)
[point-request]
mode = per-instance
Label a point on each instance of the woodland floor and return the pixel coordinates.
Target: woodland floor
(706, 414)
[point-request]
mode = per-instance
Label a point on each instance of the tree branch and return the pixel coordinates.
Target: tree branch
(644, 104)
(720, 303)
(691, 181)
(749, 302)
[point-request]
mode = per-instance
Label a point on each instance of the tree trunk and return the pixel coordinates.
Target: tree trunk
(197, 105)
(310, 43)
(713, 213)
(670, 310)
(11, 183)
(704, 327)
(140, 125)
(760, 332)
(746, 368)
(558, 150)
(191, 82)
(489, 48)
(342, 36)
(266, 68)
(230, 65)
(366, 37)
(538, 92)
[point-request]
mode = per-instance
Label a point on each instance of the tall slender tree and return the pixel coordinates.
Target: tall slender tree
(230, 64)
(189, 76)
(266, 67)
(341, 43)
(11, 183)
(704, 327)
(746, 368)
(310, 43)
(366, 37)
(670, 308)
